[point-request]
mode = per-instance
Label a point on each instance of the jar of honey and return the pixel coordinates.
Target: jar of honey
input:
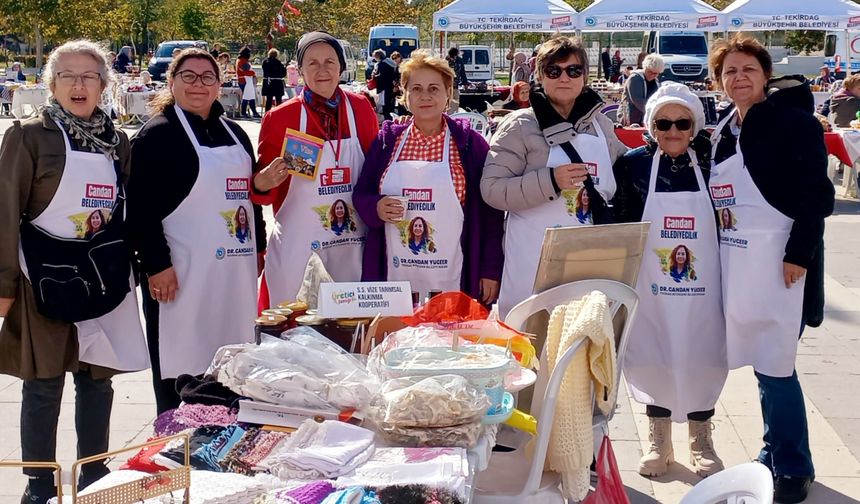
(317, 323)
(298, 308)
(272, 325)
(344, 330)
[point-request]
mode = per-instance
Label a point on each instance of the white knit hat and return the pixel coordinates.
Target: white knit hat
(673, 92)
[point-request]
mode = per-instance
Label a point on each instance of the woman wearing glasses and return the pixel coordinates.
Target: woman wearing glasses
(540, 158)
(676, 358)
(56, 170)
(190, 174)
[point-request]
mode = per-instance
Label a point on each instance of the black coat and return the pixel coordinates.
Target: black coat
(784, 151)
(273, 77)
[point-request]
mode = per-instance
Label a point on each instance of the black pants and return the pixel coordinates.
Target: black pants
(166, 397)
(696, 416)
(40, 414)
(388, 105)
(267, 101)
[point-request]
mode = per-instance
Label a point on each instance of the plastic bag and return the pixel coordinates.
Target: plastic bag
(455, 436)
(448, 309)
(315, 274)
(610, 488)
(407, 337)
(436, 401)
(304, 370)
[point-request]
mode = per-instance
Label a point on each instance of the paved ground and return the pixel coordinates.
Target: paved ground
(829, 367)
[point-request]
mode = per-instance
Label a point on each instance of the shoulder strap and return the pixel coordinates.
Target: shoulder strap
(599, 211)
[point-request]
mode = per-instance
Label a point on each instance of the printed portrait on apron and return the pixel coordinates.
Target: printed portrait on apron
(238, 224)
(728, 220)
(578, 204)
(339, 217)
(677, 263)
(98, 199)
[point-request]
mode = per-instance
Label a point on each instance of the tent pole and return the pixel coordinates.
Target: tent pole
(847, 53)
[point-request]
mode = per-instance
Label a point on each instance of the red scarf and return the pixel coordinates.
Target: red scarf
(326, 110)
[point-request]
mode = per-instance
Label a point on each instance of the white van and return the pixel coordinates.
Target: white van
(350, 73)
(685, 54)
(478, 62)
(834, 47)
(391, 37)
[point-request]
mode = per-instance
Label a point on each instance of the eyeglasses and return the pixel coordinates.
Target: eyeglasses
(189, 77)
(572, 71)
(88, 79)
(666, 124)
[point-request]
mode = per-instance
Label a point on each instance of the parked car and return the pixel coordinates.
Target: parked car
(390, 37)
(163, 55)
(685, 54)
(478, 62)
(350, 73)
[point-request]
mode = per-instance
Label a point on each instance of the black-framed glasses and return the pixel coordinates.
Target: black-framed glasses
(572, 71)
(666, 124)
(189, 77)
(88, 79)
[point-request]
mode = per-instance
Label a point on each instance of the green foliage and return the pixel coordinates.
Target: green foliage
(193, 20)
(805, 41)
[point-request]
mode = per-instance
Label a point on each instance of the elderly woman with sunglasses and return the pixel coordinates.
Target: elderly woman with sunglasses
(190, 176)
(542, 157)
(676, 359)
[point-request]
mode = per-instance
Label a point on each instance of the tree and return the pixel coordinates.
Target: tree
(805, 41)
(193, 20)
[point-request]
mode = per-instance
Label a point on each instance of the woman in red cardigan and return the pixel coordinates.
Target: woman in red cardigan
(346, 125)
(246, 76)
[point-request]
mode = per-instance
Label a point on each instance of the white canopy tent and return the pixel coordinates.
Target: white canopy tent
(761, 15)
(546, 16)
(646, 15)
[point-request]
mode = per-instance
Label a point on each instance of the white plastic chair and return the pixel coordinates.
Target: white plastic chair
(749, 483)
(478, 121)
(514, 477)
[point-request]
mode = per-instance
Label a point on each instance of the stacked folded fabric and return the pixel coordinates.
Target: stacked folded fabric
(321, 450)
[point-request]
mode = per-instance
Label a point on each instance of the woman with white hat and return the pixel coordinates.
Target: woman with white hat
(676, 358)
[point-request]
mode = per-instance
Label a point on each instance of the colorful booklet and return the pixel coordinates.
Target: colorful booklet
(302, 153)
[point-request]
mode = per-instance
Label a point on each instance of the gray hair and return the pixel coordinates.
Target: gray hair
(86, 47)
(654, 62)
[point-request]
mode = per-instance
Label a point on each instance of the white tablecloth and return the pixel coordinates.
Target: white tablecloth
(134, 103)
(34, 97)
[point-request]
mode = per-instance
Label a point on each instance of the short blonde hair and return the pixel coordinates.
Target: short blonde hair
(424, 59)
(87, 47)
(851, 82)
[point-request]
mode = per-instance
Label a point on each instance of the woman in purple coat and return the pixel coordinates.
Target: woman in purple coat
(429, 171)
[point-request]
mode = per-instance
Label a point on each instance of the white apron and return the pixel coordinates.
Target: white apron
(762, 316)
(215, 261)
(249, 93)
(303, 224)
(88, 185)
(676, 357)
(524, 229)
(435, 260)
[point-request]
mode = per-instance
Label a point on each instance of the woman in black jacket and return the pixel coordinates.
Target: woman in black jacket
(676, 360)
(274, 73)
(770, 172)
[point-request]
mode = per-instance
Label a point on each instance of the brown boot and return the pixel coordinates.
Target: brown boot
(660, 454)
(703, 457)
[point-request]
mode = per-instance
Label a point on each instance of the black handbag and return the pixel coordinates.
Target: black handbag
(79, 279)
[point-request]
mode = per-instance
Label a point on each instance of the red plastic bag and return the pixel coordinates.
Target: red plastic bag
(610, 488)
(371, 83)
(447, 310)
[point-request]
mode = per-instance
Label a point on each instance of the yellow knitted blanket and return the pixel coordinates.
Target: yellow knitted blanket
(571, 446)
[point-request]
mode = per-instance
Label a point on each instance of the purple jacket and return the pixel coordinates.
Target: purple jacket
(482, 227)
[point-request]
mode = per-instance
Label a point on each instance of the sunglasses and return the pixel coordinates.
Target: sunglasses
(666, 124)
(572, 71)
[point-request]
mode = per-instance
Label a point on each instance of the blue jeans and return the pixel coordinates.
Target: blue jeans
(786, 433)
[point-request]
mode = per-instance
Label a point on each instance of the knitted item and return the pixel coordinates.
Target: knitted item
(312, 493)
(571, 445)
(189, 416)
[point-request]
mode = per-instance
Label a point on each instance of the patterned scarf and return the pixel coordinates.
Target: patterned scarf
(94, 135)
(326, 110)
